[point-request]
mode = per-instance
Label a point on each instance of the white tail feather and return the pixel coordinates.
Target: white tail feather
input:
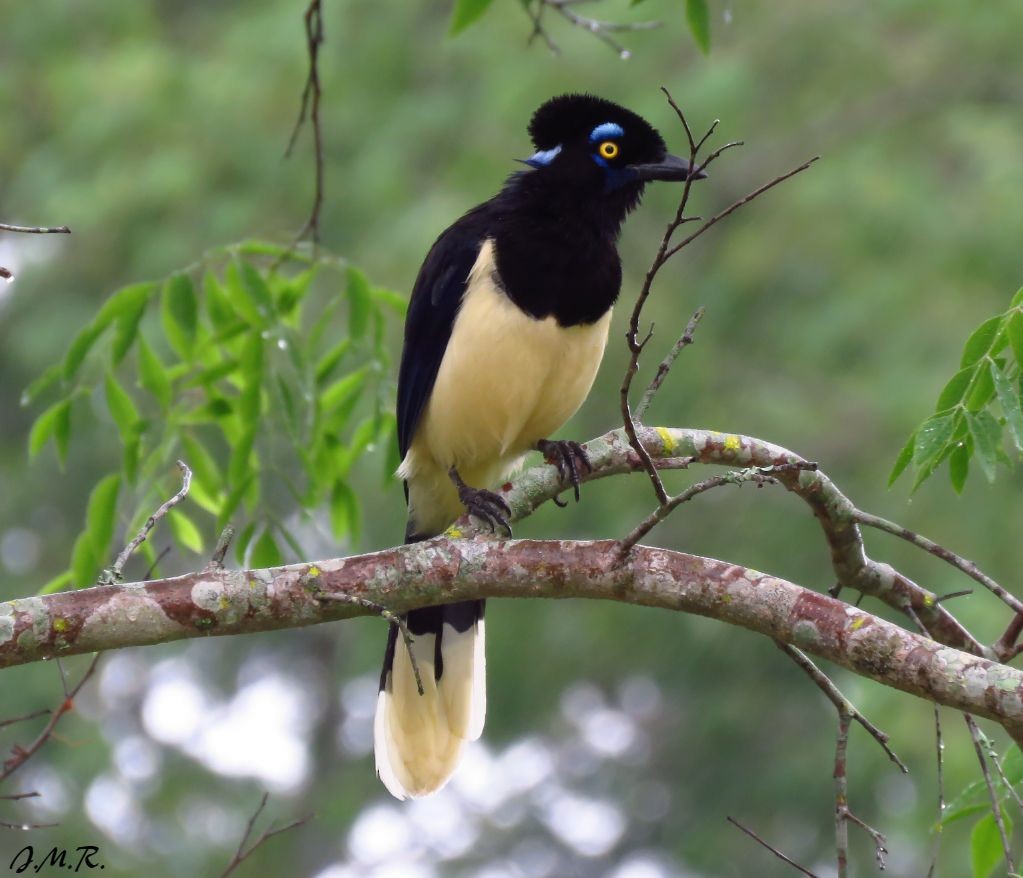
(418, 739)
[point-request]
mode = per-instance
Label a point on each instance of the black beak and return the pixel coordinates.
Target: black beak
(670, 168)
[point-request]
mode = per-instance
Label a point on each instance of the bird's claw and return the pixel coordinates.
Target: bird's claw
(569, 457)
(485, 505)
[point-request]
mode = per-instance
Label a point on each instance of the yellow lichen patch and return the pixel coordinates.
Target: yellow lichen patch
(667, 439)
(224, 603)
(313, 572)
(858, 623)
(60, 625)
(453, 533)
(732, 444)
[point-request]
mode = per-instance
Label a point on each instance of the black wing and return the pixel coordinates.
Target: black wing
(431, 315)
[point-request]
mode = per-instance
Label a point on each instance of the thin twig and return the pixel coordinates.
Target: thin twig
(163, 553)
(538, 29)
(115, 573)
(684, 340)
(740, 203)
(602, 30)
(773, 850)
(223, 544)
(758, 474)
(25, 827)
(846, 714)
(17, 797)
(27, 716)
(242, 854)
(957, 561)
(996, 808)
(393, 618)
(842, 704)
(35, 230)
(5, 273)
(309, 108)
(21, 755)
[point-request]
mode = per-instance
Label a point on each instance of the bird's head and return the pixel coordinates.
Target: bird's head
(597, 147)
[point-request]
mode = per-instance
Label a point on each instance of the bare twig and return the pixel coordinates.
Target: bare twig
(602, 30)
(115, 573)
(684, 340)
(242, 854)
(996, 808)
(17, 797)
(309, 108)
(957, 561)
(35, 230)
(393, 618)
(842, 704)
(26, 826)
(536, 16)
(27, 716)
(20, 755)
(163, 553)
(223, 544)
(5, 273)
(758, 474)
(773, 850)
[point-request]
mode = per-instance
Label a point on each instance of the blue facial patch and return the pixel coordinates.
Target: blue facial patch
(543, 158)
(606, 130)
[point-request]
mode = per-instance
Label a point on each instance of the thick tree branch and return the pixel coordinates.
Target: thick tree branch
(444, 569)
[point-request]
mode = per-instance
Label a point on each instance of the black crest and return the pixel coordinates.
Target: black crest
(568, 118)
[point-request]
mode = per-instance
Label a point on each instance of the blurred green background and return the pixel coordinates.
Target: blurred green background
(618, 738)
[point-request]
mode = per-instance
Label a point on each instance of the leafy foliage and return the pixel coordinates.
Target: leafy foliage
(975, 800)
(979, 405)
(249, 371)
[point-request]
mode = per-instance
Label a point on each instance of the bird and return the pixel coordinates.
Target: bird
(506, 327)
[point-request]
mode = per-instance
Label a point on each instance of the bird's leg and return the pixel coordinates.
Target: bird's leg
(485, 505)
(570, 459)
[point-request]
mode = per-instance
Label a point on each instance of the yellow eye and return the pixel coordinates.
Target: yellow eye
(608, 149)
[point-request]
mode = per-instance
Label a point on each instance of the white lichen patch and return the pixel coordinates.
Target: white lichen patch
(127, 612)
(975, 680)
(6, 623)
(805, 633)
(229, 599)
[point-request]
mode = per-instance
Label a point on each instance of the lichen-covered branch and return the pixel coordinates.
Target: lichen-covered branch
(444, 569)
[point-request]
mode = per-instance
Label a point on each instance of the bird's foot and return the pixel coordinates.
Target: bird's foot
(483, 504)
(569, 457)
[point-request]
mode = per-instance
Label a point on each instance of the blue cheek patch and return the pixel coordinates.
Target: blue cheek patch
(614, 178)
(605, 131)
(543, 158)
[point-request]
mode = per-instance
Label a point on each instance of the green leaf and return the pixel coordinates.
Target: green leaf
(959, 467)
(360, 303)
(100, 514)
(57, 583)
(126, 301)
(239, 468)
(344, 510)
(47, 425)
(251, 363)
(343, 390)
(955, 389)
(330, 360)
(79, 348)
(979, 343)
(131, 307)
(122, 409)
(130, 459)
(698, 16)
(241, 542)
(1014, 329)
(1008, 399)
(186, 533)
(265, 552)
(986, 844)
(153, 375)
(465, 13)
(218, 304)
(931, 438)
(43, 383)
(179, 310)
(204, 467)
(84, 562)
(902, 461)
(983, 390)
(1017, 299)
(987, 437)
(1012, 764)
